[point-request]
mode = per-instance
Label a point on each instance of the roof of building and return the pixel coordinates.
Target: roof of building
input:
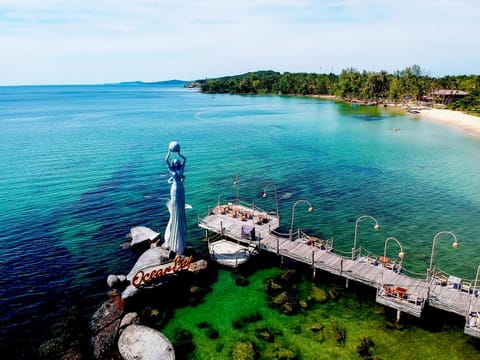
(447, 92)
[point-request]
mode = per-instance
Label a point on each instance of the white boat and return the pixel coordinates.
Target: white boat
(230, 254)
(238, 230)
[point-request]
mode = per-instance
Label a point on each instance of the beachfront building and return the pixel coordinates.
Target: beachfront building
(447, 96)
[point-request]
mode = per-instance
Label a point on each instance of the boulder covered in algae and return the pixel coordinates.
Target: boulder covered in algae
(142, 342)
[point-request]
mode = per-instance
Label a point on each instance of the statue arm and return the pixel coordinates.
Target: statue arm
(184, 159)
(167, 159)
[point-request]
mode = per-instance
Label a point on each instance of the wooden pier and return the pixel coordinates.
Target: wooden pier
(394, 288)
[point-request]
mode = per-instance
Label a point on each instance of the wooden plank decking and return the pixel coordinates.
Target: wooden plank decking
(395, 290)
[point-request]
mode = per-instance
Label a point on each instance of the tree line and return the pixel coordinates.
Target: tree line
(407, 85)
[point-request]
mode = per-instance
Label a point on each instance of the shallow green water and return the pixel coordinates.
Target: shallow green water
(354, 310)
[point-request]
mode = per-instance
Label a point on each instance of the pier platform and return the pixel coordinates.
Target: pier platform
(394, 288)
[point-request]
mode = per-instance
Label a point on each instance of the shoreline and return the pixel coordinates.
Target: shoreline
(458, 119)
(468, 123)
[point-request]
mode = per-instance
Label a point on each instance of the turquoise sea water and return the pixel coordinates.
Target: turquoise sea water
(80, 165)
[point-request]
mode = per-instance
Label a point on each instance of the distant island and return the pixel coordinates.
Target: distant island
(167, 82)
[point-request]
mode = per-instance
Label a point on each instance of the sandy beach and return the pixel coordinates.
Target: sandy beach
(469, 123)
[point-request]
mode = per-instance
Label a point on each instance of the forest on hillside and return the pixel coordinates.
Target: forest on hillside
(410, 84)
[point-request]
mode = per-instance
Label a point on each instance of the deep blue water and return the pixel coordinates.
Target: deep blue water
(81, 165)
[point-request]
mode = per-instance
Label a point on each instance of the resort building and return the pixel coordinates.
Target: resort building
(446, 96)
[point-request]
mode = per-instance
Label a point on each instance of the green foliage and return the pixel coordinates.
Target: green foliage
(270, 82)
(469, 103)
(409, 84)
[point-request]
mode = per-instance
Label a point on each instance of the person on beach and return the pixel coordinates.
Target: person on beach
(176, 231)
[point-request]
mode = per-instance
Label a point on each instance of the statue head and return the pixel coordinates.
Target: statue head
(174, 147)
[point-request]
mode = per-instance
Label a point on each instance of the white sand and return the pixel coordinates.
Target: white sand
(469, 123)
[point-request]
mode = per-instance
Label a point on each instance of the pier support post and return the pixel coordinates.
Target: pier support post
(313, 263)
(398, 315)
(341, 270)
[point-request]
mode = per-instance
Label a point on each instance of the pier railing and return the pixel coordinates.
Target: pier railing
(396, 286)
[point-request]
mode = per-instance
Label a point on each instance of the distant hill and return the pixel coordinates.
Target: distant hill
(167, 82)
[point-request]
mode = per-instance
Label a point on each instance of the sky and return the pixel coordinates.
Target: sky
(105, 41)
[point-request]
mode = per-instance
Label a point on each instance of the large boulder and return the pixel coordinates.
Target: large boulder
(104, 325)
(139, 234)
(141, 342)
(152, 257)
(115, 280)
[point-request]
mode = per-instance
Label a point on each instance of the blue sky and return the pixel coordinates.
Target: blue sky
(102, 41)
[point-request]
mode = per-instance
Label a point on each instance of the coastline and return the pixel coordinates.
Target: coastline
(469, 123)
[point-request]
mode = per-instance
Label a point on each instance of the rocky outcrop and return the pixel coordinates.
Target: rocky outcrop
(104, 325)
(152, 257)
(115, 280)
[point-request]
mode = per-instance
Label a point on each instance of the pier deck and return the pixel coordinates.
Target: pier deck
(394, 289)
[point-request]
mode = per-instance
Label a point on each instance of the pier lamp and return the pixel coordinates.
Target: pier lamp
(235, 182)
(401, 254)
(376, 227)
(455, 245)
(476, 278)
(474, 295)
(310, 209)
(275, 195)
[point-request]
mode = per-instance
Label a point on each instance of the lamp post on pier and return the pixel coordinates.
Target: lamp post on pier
(401, 254)
(376, 227)
(476, 280)
(310, 209)
(275, 195)
(473, 304)
(455, 245)
(235, 182)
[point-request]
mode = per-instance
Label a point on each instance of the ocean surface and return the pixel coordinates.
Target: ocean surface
(81, 165)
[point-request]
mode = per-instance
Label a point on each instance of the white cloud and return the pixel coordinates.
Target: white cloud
(53, 41)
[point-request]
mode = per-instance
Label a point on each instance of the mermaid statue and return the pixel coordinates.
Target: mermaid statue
(176, 231)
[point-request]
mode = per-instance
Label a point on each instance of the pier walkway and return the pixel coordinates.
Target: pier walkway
(394, 288)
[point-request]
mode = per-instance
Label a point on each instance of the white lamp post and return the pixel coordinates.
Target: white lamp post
(455, 245)
(310, 209)
(235, 182)
(276, 197)
(376, 227)
(401, 254)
